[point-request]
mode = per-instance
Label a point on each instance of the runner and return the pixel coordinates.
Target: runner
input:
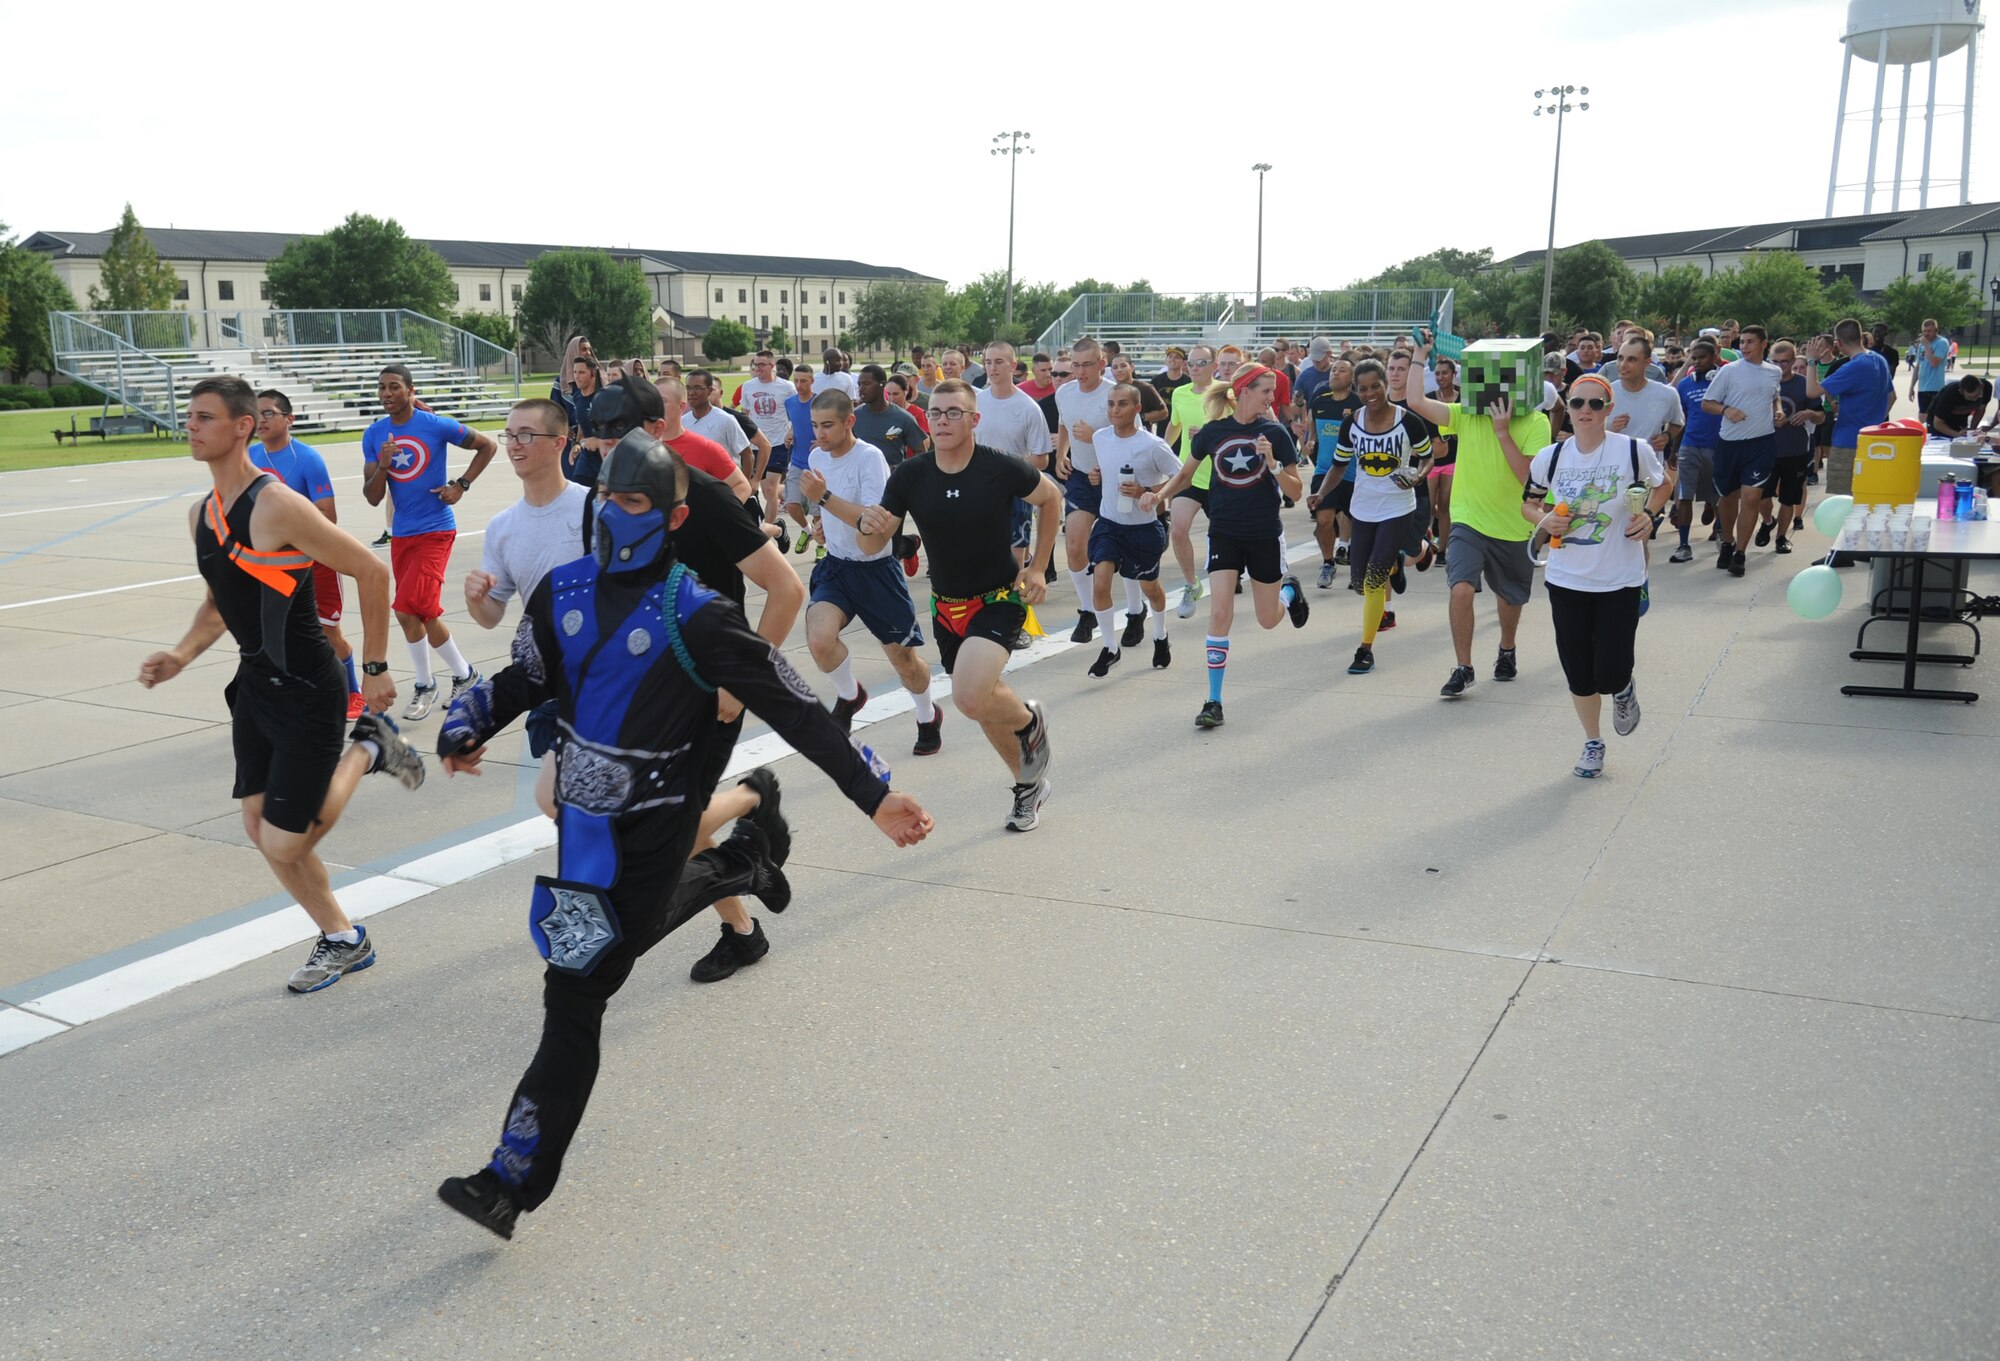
(1596, 578)
(1784, 494)
(582, 456)
(1083, 409)
(961, 497)
(660, 409)
(1642, 406)
(1332, 491)
(762, 398)
(638, 759)
(798, 443)
(1694, 456)
(1444, 459)
(1390, 447)
(1488, 538)
(1174, 376)
(300, 467)
(1013, 422)
(1745, 395)
(1256, 466)
(405, 450)
(1190, 415)
(1128, 539)
(897, 389)
(287, 699)
(719, 424)
(844, 477)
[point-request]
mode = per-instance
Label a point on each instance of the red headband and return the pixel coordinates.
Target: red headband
(1245, 376)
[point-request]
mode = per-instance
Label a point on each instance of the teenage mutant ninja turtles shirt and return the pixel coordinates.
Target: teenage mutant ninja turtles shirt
(1596, 555)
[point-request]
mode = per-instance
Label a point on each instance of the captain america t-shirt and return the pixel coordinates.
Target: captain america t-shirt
(417, 468)
(1243, 497)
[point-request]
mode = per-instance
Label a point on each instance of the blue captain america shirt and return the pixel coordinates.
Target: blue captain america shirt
(417, 468)
(298, 466)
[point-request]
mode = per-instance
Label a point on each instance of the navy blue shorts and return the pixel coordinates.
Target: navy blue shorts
(1080, 493)
(781, 458)
(872, 592)
(1024, 524)
(1743, 463)
(1135, 549)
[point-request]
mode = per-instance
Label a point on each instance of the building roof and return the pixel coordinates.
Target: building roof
(182, 243)
(1811, 233)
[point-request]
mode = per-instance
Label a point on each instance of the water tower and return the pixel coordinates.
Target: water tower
(1906, 34)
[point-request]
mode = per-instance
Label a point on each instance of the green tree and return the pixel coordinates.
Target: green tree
(725, 340)
(1672, 301)
(1775, 288)
(1443, 268)
(1592, 284)
(586, 292)
(1500, 302)
(365, 262)
(1940, 296)
(488, 326)
(896, 313)
(29, 291)
(135, 278)
(781, 340)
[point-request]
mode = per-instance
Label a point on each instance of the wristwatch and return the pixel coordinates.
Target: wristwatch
(373, 668)
(461, 484)
(824, 497)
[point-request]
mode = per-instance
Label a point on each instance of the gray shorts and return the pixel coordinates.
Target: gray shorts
(793, 496)
(1696, 480)
(1503, 562)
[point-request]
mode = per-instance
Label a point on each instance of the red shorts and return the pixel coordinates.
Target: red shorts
(418, 561)
(326, 590)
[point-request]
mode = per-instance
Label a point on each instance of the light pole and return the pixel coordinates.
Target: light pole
(1561, 94)
(1993, 332)
(1016, 147)
(1260, 168)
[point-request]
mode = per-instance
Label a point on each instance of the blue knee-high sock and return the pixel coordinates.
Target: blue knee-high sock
(353, 680)
(1218, 659)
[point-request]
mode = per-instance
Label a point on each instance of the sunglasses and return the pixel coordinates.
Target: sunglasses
(1594, 403)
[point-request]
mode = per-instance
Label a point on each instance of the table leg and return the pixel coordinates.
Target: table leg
(1911, 656)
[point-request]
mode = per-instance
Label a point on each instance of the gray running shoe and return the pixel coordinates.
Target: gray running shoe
(329, 960)
(1034, 748)
(460, 684)
(422, 698)
(1590, 765)
(397, 757)
(1189, 594)
(1625, 710)
(1325, 575)
(1028, 801)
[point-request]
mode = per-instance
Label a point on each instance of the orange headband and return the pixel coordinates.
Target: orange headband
(1247, 375)
(1596, 378)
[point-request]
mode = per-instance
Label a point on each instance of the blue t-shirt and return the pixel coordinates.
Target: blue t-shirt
(1933, 362)
(416, 470)
(1243, 497)
(1310, 383)
(1864, 388)
(298, 466)
(800, 414)
(1703, 430)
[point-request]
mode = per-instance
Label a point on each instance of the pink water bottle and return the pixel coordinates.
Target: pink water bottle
(1948, 499)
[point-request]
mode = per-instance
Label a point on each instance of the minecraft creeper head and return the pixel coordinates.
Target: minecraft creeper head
(1502, 367)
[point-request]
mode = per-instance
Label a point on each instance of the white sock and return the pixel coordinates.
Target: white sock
(1110, 623)
(1135, 599)
(371, 746)
(926, 711)
(351, 936)
(1159, 625)
(1086, 594)
(740, 931)
(1339, 544)
(449, 654)
(844, 683)
(420, 659)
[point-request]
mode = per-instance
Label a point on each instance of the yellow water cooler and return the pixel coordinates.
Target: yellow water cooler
(1889, 464)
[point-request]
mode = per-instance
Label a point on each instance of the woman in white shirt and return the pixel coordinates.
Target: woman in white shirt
(1598, 496)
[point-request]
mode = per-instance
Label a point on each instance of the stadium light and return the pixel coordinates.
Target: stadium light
(1261, 167)
(1017, 146)
(1560, 105)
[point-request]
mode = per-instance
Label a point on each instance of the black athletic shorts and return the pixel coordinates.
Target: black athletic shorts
(1788, 481)
(288, 739)
(1198, 495)
(711, 776)
(1342, 499)
(997, 621)
(1259, 557)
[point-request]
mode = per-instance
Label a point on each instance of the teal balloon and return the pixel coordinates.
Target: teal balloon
(1831, 514)
(1815, 592)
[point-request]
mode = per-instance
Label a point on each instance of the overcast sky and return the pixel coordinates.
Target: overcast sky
(1393, 128)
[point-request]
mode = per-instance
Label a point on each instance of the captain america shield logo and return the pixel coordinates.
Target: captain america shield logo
(412, 456)
(1237, 462)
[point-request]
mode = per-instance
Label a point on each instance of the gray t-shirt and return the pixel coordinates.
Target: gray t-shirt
(1013, 424)
(1073, 404)
(1752, 389)
(1654, 409)
(894, 431)
(524, 542)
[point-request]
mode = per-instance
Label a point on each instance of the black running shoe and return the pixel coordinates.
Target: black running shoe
(1364, 661)
(1504, 665)
(1106, 659)
(1399, 580)
(1300, 609)
(767, 880)
(1764, 533)
(1723, 555)
(1340, 556)
(1210, 715)
(381, 540)
(1163, 654)
(1086, 626)
(1798, 523)
(1388, 621)
(1461, 680)
(844, 710)
(484, 1199)
(930, 736)
(1135, 630)
(734, 951)
(1737, 565)
(770, 821)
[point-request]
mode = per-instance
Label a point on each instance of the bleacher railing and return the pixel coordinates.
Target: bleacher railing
(110, 362)
(1151, 321)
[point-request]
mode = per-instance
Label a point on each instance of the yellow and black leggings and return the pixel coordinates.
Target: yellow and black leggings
(1372, 553)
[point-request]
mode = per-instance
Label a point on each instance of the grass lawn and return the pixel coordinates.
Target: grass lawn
(26, 442)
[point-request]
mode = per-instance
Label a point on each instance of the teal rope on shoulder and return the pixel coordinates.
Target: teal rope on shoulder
(670, 615)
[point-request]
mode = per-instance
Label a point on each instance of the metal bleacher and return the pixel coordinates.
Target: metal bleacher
(325, 362)
(1144, 324)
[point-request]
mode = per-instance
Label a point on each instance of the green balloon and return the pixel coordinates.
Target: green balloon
(1831, 514)
(1815, 592)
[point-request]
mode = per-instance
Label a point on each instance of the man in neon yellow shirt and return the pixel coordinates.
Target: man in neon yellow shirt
(1493, 454)
(1188, 417)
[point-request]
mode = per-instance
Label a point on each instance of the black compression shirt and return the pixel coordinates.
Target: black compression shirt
(966, 517)
(278, 632)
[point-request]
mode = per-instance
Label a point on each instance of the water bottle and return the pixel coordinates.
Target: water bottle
(1126, 504)
(1979, 503)
(1947, 508)
(1965, 500)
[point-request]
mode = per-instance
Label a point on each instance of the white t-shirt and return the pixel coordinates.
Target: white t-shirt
(1378, 458)
(1073, 404)
(1654, 408)
(1152, 462)
(524, 542)
(1751, 389)
(764, 403)
(721, 427)
(860, 475)
(1596, 555)
(1013, 424)
(846, 382)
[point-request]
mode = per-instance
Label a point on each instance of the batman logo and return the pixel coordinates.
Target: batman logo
(1380, 465)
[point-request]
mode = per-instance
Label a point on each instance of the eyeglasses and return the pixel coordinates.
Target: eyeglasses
(270, 415)
(1594, 403)
(525, 436)
(949, 415)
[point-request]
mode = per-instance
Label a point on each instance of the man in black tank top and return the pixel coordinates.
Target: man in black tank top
(256, 541)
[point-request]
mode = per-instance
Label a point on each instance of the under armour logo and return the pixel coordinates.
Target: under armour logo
(951, 494)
